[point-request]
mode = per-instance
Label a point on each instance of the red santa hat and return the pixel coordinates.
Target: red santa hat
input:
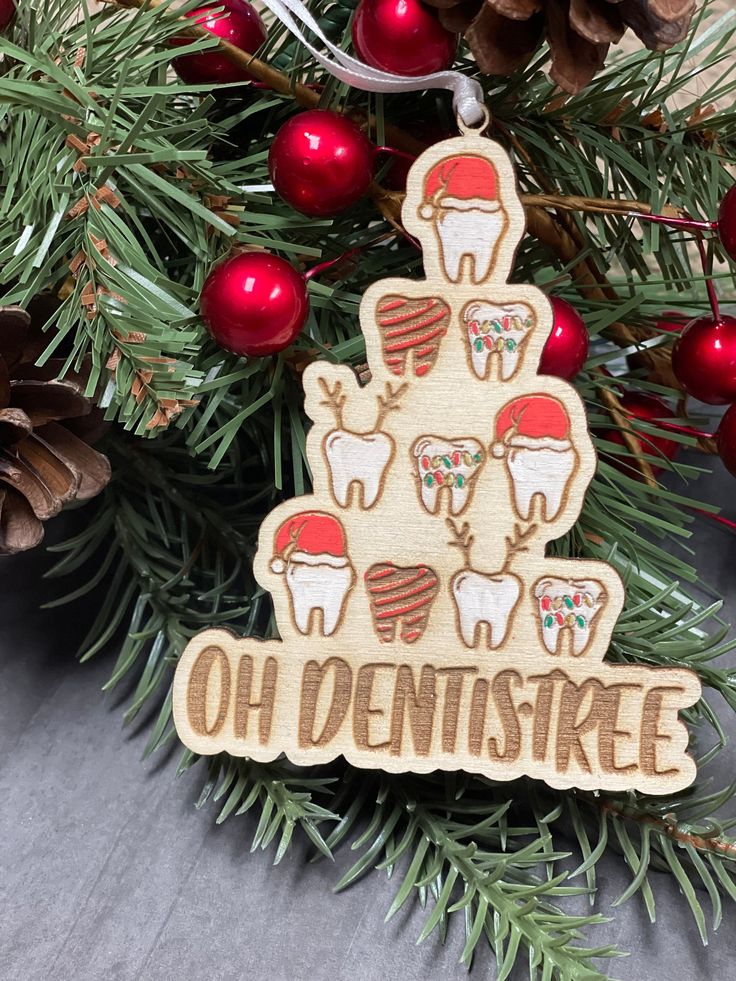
(312, 538)
(535, 422)
(463, 183)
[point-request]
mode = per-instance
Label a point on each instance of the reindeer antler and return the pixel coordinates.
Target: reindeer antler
(461, 539)
(389, 402)
(334, 399)
(516, 544)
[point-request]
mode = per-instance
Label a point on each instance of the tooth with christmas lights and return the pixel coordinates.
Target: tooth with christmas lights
(310, 551)
(533, 436)
(401, 599)
(461, 200)
(496, 335)
(411, 332)
(447, 464)
(567, 609)
(358, 462)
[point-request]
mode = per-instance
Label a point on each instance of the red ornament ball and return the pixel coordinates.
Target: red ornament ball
(321, 163)
(727, 222)
(704, 359)
(647, 408)
(402, 37)
(566, 349)
(726, 440)
(7, 13)
(254, 303)
(238, 23)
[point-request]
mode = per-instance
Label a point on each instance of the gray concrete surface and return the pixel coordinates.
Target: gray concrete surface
(108, 872)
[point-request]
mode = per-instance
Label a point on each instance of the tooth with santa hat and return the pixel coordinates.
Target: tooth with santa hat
(533, 436)
(310, 550)
(461, 199)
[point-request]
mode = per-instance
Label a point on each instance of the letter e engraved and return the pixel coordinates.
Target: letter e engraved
(650, 734)
(608, 733)
(244, 704)
(198, 690)
(312, 679)
(501, 691)
(420, 706)
(363, 711)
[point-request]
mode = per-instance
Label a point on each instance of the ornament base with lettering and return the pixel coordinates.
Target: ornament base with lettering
(423, 627)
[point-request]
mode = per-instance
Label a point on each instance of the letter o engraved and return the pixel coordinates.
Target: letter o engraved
(197, 691)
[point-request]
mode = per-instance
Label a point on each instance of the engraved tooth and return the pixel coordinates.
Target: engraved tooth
(315, 588)
(489, 599)
(567, 609)
(447, 464)
(401, 599)
(411, 331)
(540, 471)
(357, 458)
(496, 334)
(470, 234)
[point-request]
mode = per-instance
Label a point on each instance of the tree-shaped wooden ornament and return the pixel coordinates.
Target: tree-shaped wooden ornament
(422, 624)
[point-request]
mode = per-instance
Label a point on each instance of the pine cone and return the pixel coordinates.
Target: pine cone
(504, 34)
(43, 464)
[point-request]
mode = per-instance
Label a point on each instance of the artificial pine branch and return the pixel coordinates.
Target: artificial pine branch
(169, 545)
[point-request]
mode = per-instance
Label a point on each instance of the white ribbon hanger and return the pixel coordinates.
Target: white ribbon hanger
(467, 94)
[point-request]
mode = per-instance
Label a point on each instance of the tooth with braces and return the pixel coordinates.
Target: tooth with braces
(567, 609)
(497, 335)
(447, 465)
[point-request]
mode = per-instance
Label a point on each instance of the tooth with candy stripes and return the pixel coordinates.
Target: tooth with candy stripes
(401, 598)
(411, 329)
(447, 467)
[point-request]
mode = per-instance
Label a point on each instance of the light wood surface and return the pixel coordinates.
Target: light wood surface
(422, 624)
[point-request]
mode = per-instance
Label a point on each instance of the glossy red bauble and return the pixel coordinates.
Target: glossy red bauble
(726, 440)
(238, 23)
(727, 222)
(704, 359)
(321, 163)
(566, 349)
(647, 408)
(254, 303)
(7, 13)
(402, 37)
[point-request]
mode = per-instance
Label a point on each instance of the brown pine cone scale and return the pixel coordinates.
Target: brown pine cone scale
(505, 34)
(43, 465)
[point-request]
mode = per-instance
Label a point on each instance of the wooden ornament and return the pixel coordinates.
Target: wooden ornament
(423, 627)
